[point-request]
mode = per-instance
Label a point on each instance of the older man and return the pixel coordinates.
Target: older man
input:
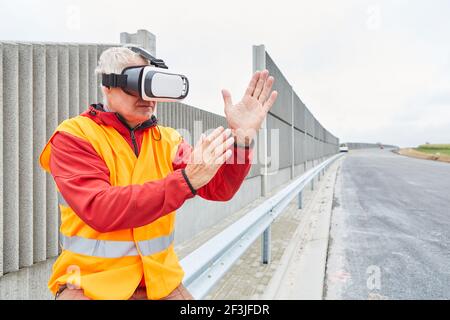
(121, 176)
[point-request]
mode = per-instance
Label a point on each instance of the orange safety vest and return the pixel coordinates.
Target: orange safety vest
(111, 265)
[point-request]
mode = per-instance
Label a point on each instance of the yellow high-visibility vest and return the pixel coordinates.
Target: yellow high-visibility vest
(111, 265)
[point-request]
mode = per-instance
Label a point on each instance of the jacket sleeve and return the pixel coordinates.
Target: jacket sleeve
(82, 178)
(228, 179)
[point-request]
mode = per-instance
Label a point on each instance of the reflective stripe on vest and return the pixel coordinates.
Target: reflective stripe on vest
(115, 249)
(99, 248)
(155, 245)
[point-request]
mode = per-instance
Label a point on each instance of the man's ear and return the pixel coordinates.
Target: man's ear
(106, 90)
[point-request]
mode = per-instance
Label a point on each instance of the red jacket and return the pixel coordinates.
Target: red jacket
(82, 178)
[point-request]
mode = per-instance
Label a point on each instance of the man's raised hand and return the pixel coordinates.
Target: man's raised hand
(245, 117)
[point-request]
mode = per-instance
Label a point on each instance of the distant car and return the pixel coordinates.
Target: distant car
(343, 148)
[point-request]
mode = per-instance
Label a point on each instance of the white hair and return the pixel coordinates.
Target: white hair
(115, 59)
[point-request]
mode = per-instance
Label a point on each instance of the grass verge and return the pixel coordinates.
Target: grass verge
(428, 153)
(436, 149)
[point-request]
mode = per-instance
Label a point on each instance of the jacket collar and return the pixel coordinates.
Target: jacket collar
(115, 120)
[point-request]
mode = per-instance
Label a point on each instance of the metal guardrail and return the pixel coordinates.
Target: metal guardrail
(205, 266)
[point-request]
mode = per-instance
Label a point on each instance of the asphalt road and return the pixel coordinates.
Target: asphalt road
(390, 231)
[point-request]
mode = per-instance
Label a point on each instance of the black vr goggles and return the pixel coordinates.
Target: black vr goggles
(149, 82)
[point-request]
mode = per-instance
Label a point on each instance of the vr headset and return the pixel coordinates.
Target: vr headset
(149, 82)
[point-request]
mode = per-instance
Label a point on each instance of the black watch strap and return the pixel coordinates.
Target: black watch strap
(251, 145)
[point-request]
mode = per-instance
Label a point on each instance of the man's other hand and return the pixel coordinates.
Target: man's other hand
(208, 155)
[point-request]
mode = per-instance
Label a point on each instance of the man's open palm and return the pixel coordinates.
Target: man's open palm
(245, 117)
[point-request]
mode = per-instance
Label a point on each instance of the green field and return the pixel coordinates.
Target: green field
(435, 148)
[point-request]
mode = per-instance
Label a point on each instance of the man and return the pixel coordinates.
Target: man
(121, 176)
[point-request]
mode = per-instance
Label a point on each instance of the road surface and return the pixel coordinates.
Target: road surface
(390, 231)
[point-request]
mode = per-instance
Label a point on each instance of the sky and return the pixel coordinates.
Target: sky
(369, 70)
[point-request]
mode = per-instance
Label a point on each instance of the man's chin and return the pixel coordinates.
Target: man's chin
(147, 114)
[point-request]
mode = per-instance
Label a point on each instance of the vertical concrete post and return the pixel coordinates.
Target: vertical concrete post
(63, 81)
(10, 157)
(141, 38)
(100, 49)
(51, 117)
(74, 81)
(177, 117)
(1, 160)
(198, 129)
(189, 122)
(25, 155)
(180, 116)
(172, 115)
(314, 140)
(305, 141)
(292, 136)
(259, 63)
(164, 114)
(83, 67)
(93, 84)
(39, 140)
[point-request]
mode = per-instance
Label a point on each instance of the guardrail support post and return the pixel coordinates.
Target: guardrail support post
(312, 184)
(300, 200)
(265, 248)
